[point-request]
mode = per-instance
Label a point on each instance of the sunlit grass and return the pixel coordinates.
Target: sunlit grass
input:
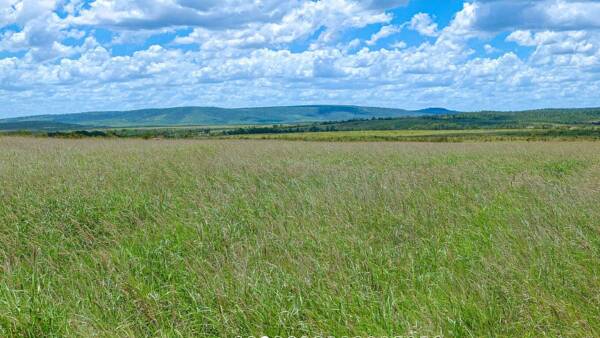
(225, 238)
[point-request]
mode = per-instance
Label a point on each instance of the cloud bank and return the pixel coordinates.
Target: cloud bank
(59, 56)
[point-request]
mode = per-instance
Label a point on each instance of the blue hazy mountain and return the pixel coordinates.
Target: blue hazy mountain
(187, 116)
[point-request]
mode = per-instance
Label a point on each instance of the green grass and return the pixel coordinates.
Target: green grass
(113, 237)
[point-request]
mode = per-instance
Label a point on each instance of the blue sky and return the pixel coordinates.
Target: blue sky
(64, 56)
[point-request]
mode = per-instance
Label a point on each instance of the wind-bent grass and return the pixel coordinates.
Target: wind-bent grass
(225, 238)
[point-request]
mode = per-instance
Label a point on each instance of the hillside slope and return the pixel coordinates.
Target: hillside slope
(183, 116)
(478, 120)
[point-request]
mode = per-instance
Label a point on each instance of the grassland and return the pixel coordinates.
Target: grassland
(115, 237)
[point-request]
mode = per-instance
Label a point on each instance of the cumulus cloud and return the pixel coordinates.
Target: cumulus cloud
(153, 14)
(36, 28)
(489, 49)
(424, 24)
(63, 55)
(499, 15)
(398, 45)
(384, 32)
(211, 15)
(333, 16)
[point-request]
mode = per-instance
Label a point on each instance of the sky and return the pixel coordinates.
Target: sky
(66, 56)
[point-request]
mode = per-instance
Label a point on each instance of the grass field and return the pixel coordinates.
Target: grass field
(115, 237)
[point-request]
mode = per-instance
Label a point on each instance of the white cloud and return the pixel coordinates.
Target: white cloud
(489, 49)
(575, 50)
(212, 15)
(289, 52)
(500, 15)
(300, 22)
(398, 45)
(384, 32)
(424, 24)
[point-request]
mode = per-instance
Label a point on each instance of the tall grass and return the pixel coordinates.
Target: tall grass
(225, 238)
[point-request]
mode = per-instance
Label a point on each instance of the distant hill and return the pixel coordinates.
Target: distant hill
(478, 120)
(188, 116)
(529, 119)
(320, 117)
(436, 111)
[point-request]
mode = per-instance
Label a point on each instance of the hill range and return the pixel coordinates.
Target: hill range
(305, 118)
(193, 116)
